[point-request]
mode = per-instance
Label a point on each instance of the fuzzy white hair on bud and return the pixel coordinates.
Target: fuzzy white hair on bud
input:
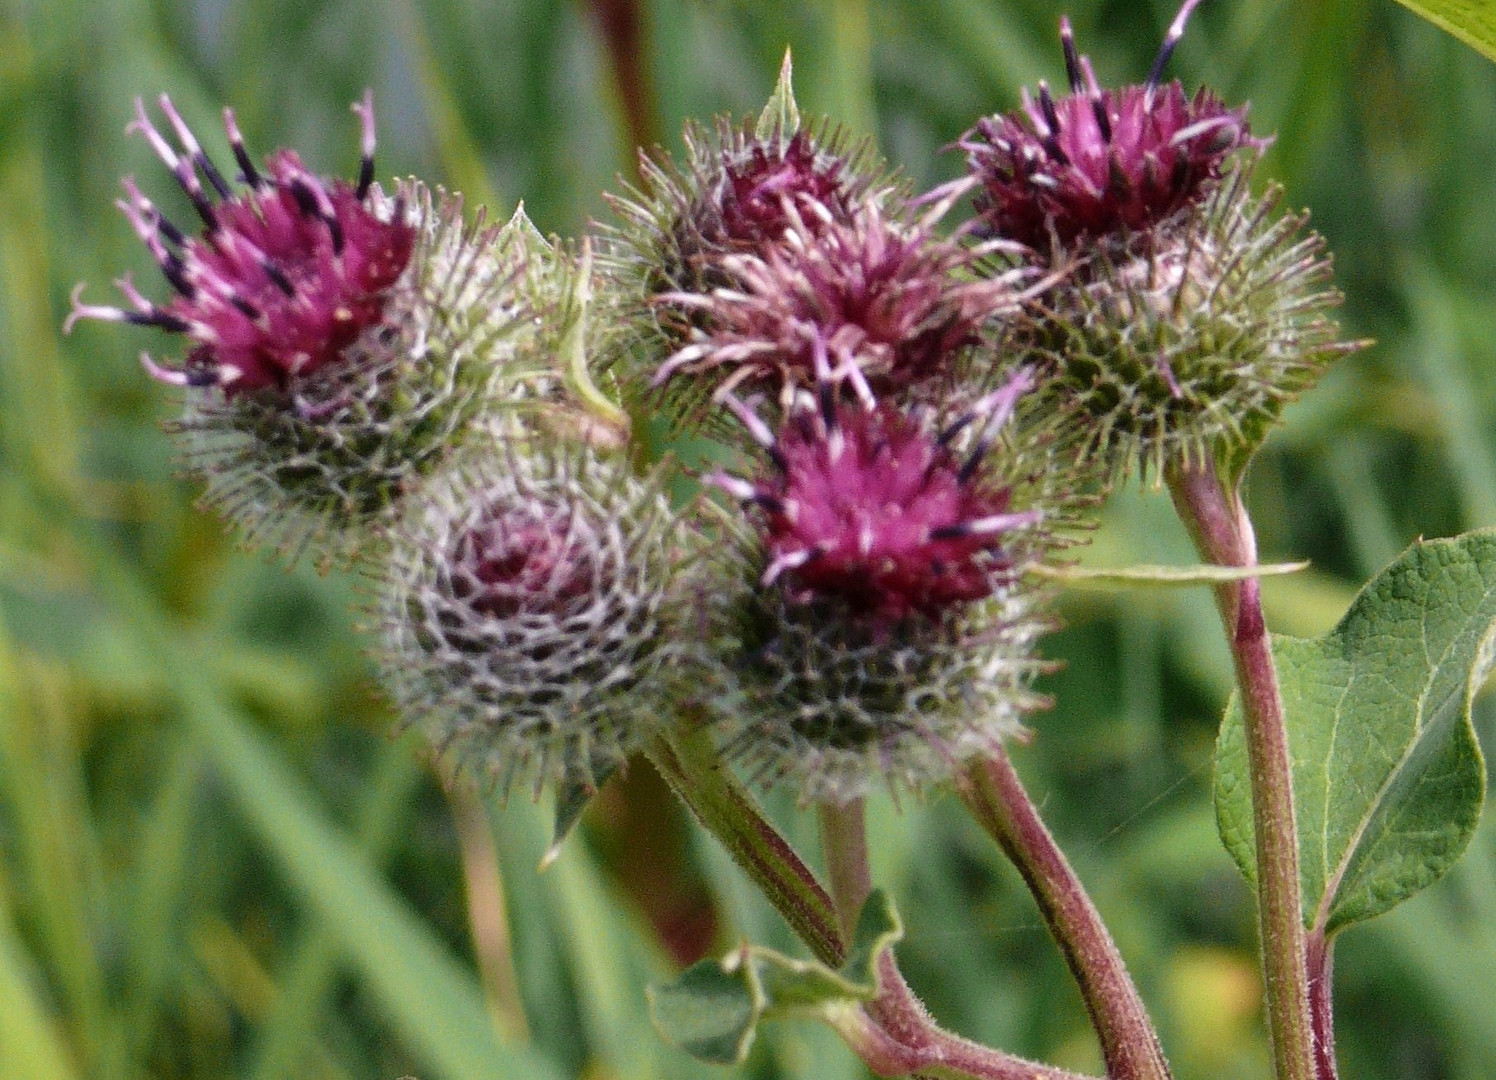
(531, 616)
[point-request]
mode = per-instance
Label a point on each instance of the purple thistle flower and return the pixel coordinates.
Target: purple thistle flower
(872, 299)
(287, 273)
(1100, 162)
(868, 509)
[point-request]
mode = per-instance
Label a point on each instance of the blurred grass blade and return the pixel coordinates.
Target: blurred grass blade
(434, 1003)
(31, 1047)
(306, 988)
(460, 158)
(50, 835)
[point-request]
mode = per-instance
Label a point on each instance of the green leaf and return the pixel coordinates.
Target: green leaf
(571, 800)
(713, 1010)
(1388, 779)
(781, 116)
(1157, 577)
(1472, 21)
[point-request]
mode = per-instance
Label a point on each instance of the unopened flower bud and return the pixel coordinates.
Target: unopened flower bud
(530, 617)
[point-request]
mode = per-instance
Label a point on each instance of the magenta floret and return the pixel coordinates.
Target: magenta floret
(869, 301)
(1100, 162)
(771, 183)
(525, 560)
(869, 509)
(287, 272)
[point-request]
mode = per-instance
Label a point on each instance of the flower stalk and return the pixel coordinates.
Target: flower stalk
(690, 764)
(1211, 509)
(1321, 957)
(939, 1055)
(844, 846)
(894, 1034)
(995, 797)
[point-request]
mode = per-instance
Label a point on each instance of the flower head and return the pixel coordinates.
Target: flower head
(1101, 162)
(890, 635)
(289, 270)
(871, 509)
(528, 610)
(873, 301)
(346, 343)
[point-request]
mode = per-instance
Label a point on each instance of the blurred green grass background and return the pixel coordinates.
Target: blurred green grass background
(216, 862)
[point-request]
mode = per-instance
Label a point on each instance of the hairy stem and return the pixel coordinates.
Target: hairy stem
(939, 1054)
(844, 845)
(1321, 956)
(1223, 534)
(690, 765)
(1129, 1045)
(895, 1034)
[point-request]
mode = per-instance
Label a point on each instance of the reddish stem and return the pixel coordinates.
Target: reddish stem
(996, 798)
(937, 1053)
(1223, 534)
(895, 1034)
(1321, 955)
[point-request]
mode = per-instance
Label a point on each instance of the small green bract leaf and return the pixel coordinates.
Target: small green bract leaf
(712, 1011)
(780, 118)
(1388, 778)
(1472, 21)
(572, 797)
(1157, 577)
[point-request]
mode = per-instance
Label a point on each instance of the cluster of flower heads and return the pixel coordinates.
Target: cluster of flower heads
(917, 410)
(868, 611)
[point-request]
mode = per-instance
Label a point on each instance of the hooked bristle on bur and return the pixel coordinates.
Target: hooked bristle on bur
(1186, 351)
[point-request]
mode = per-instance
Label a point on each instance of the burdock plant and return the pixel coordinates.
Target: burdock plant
(909, 416)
